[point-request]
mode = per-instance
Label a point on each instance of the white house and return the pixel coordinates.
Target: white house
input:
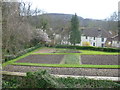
(92, 37)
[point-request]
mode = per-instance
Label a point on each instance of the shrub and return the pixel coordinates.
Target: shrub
(89, 48)
(85, 43)
(42, 79)
(10, 57)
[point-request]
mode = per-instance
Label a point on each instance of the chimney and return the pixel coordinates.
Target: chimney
(82, 30)
(99, 32)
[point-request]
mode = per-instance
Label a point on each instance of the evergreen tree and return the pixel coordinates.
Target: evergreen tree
(75, 36)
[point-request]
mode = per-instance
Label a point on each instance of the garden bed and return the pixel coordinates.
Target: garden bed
(53, 50)
(45, 59)
(65, 71)
(66, 51)
(100, 59)
(45, 50)
(84, 59)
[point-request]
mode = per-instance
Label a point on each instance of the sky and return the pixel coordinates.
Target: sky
(95, 9)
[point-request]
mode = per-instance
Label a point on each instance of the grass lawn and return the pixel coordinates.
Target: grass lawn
(71, 59)
(68, 65)
(90, 52)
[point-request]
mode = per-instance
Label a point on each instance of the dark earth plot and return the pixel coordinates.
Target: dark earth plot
(85, 59)
(100, 59)
(46, 59)
(65, 71)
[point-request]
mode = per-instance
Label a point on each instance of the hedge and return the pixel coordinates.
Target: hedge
(9, 57)
(89, 48)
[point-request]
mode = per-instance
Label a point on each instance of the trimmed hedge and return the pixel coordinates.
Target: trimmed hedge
(89, 48)
(9, 57)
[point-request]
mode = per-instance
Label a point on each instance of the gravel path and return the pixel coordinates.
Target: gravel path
(100, 59)
(66, 71)
(46, 59)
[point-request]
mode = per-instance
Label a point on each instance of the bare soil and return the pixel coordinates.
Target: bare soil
(46, 50)
(85, 59)
(45, 59)
(53, 50)
(66, 71)
(100, 59)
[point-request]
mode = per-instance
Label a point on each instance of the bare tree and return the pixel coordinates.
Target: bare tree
(112, 22)
(16, 29)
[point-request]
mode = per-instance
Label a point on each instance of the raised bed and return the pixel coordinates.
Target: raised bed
(85, 59)
(45, 50)
(65, 71)
(66, 51)
(46, 59)
(100, 59)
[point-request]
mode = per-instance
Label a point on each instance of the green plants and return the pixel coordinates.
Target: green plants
(89, 48)
(42, 79)
(71, 59)
(11, 57)
(17, 58)
(87, 83)
(76, 51)
(68, 65)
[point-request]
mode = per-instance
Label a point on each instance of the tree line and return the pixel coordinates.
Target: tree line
(17, 31)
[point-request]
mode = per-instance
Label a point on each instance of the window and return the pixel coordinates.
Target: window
(86, 37)
(93, 44)
(94, 38)
(102, 39)
(102, 45)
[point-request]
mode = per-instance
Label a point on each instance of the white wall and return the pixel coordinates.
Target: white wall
(115, 44)
(98, 40)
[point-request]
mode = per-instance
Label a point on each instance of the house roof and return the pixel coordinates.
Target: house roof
(96, 32)
(116, 38)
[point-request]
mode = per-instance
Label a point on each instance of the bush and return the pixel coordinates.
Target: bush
(89, 48)
(39, 79)
(42, 79)
(10, 57)
(85, 43)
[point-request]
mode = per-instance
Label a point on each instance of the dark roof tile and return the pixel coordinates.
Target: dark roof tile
(95, 32)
